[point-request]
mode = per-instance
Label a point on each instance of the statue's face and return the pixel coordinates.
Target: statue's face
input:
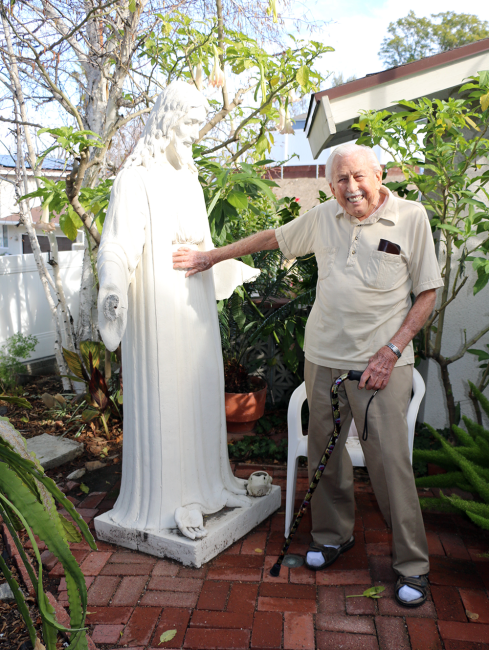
(186, 132)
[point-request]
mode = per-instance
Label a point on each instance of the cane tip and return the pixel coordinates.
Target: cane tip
(275, 570)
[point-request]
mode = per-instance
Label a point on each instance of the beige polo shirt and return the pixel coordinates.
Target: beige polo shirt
(363, 295)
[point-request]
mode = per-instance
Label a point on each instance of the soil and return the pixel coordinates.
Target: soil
(66, 421)
(237, 379)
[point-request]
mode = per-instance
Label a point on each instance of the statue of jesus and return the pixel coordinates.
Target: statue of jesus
(175, 460)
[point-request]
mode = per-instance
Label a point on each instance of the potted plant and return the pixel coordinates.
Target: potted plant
(245, 393)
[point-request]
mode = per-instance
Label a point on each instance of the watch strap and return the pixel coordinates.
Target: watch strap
(394, 349)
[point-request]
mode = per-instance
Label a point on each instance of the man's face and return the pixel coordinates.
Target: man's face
(355, 184)
(186, 132)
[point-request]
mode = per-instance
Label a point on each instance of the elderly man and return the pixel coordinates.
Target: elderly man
(373, 250)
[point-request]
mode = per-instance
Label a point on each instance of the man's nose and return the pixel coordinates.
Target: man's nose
(352, 184)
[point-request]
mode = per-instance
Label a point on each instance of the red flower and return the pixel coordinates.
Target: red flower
(296, 200)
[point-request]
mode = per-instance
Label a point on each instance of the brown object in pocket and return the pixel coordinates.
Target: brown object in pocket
(387, 246)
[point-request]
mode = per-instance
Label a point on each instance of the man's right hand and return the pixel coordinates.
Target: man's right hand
(192, 260)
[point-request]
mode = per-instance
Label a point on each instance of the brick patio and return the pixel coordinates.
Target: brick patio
(233, 603)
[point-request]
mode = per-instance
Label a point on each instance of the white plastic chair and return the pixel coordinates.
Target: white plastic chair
(298, 442)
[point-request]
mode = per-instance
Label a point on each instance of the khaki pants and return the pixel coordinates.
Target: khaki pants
(387, 458)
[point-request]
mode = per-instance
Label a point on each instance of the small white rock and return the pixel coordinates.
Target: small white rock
(78, 473)
(6, 593)
(93, 465)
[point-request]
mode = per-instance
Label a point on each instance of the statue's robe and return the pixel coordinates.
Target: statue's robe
(175, 443)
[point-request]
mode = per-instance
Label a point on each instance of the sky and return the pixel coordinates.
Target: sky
(358, 27)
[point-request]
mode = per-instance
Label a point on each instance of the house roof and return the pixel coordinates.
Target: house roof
(54, 164)
(332, 112)
(36, 217)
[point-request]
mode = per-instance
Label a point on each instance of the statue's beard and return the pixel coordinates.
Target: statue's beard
(183, 152)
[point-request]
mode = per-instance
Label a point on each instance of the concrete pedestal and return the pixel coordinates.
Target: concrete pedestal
(225, 527)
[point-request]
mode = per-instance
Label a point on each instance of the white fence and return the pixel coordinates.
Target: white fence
(23, 304)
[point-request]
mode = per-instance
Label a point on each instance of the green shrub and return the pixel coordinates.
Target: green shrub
(16, 347)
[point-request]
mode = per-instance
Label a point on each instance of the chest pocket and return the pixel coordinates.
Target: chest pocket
(325, 258)
(385, 270)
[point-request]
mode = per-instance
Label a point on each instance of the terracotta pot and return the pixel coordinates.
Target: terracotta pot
(243, 410)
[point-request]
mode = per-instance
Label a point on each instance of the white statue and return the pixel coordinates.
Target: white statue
(175, 459)
(259, 484)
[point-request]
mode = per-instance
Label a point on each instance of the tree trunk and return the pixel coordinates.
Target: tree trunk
(447, 386)
(87, 329)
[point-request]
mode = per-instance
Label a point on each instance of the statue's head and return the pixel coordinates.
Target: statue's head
(173, 122)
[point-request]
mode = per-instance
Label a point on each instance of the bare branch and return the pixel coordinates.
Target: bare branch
(6, 119)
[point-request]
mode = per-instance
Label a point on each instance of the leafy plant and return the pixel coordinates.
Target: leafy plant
(18, 346)
(442, 163)
(102, 401)
(467, 468)
(28, 500)
(253, 447)
(483, 358)
(251, 313)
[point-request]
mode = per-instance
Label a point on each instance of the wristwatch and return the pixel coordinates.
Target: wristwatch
(394, 349)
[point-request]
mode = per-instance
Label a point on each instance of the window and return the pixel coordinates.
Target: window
(4, 237)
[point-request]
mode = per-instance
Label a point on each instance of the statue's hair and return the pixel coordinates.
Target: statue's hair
(171, 106)
(347, 149)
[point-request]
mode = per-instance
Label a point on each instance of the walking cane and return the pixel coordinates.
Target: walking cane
(352, 375)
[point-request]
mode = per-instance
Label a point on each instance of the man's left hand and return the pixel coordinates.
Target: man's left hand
(378, 371)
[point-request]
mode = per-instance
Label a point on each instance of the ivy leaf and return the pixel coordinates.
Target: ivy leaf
(485, 101)
(239, 200)
(302, 76)
(167, 636)
(261, 145)
(67, 226)
(484, 77)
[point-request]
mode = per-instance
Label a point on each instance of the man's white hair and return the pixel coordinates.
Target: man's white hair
(171, 106)
(346, 150)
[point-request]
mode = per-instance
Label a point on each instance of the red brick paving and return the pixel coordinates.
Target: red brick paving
(233, 603)
(267, 630)
(298, 631)
(423, 634)
(392, 633)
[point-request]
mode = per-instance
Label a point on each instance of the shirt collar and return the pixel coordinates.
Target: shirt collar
(388, 210)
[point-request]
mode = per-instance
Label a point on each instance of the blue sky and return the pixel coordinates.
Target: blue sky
(358, 27)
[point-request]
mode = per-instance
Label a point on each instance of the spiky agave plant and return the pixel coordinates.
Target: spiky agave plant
(467, 468)
(28, 500)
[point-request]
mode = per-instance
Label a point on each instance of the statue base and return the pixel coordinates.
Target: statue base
(224, 528)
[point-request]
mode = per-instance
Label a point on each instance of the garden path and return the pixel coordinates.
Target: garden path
(233, 603)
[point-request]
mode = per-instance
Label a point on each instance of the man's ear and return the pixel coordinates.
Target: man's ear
(332, 189)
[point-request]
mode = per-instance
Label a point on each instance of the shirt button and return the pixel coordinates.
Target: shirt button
(353, 252)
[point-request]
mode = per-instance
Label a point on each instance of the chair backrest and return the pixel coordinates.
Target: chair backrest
(294, 419)
(419, 390)
(294, 412)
